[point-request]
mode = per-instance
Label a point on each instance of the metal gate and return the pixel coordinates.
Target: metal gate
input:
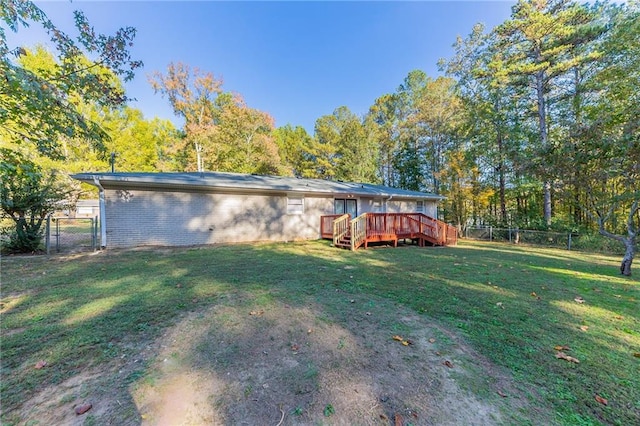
(70, 235)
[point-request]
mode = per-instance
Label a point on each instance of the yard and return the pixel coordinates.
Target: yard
(303, 333)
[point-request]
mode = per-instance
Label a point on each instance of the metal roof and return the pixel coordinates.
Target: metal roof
(244, 182)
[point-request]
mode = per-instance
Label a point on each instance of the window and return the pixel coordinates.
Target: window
(420, 206)
(295, 205)
(377, 206)
(348, 205)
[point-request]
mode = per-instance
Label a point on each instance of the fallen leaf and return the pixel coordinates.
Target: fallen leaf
(256, 313)
(398, 420)
(617, 295)
(636, 354)
(398, 338)
(448, 363)
(41, 364)
(384, 416)
(409, 342)
(432, 340)
(500, 305)
(584, 327)
(178, 285)
(309, 331)
(81, 409)
(601, 400)
(295, 347)
(502, 394)
(619, 317)
(579, 299)
(562, 348)
(533, 293)
(562, 355)
(405, 343)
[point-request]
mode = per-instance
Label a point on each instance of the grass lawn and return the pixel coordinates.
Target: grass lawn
(511, 304)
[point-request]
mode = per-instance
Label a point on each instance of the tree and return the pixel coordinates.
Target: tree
(36, 108)
(609, 152)
(27, 196)
(226, 135)
(41, 107)
(345, 149)
(192, 95)
(489, 107)
(295, 146)
(383, 119)
(538, 42)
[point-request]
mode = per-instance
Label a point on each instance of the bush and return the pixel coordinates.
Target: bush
(598, 244)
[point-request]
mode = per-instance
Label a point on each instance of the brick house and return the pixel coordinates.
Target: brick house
(178, 209)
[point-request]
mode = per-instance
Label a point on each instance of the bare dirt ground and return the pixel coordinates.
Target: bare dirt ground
(290, 365)
(275, 364)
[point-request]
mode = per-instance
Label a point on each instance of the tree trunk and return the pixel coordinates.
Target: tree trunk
(501, 179)
(627, 260)
(547, 202)
(631, 239)
(542, 121)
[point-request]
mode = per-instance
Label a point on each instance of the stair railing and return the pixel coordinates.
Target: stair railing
(340, 228)
(358, 231)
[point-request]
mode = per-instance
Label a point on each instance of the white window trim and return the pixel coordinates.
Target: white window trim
(295, 204)
(420, 206)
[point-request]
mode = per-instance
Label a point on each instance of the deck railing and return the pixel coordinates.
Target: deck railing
(358, 231)
(341, 228)
(372, 227)
(326, 225)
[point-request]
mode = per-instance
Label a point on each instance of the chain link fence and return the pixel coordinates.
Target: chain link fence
(564, 240)
(70, 235)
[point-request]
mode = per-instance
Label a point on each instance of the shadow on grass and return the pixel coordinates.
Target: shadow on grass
(514, 306)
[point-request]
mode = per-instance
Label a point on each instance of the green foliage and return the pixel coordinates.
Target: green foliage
(37, 107)
(27, 196)
(344, 149)
(295, 146)
(328, 410)
(221, 132)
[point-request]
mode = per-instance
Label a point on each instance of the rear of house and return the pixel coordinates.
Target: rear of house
(178, 209)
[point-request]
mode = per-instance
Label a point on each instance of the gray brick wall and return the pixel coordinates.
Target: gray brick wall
(138, 217)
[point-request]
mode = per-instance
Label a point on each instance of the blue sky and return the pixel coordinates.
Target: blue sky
(295, 60)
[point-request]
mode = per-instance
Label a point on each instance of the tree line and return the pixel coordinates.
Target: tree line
(533, 123)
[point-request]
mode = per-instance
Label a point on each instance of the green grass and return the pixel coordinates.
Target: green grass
(512, 304)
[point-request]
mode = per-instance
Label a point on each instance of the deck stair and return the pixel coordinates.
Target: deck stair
(386, 227)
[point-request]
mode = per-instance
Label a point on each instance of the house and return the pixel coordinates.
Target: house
(176, 209)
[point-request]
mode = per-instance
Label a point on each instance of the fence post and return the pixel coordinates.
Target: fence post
(509, 235)
(569, 242)
(48, 235)
(93, 234)
(491, 233)
(57, 222)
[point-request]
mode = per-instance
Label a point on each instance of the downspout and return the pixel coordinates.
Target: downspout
(103, 213)
(386, 202)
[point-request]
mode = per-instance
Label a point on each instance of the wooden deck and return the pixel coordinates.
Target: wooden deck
(386, 227)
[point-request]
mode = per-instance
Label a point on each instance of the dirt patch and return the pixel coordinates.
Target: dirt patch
(279, 364)
(253, 360)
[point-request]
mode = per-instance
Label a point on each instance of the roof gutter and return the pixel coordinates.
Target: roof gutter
(103, 213)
